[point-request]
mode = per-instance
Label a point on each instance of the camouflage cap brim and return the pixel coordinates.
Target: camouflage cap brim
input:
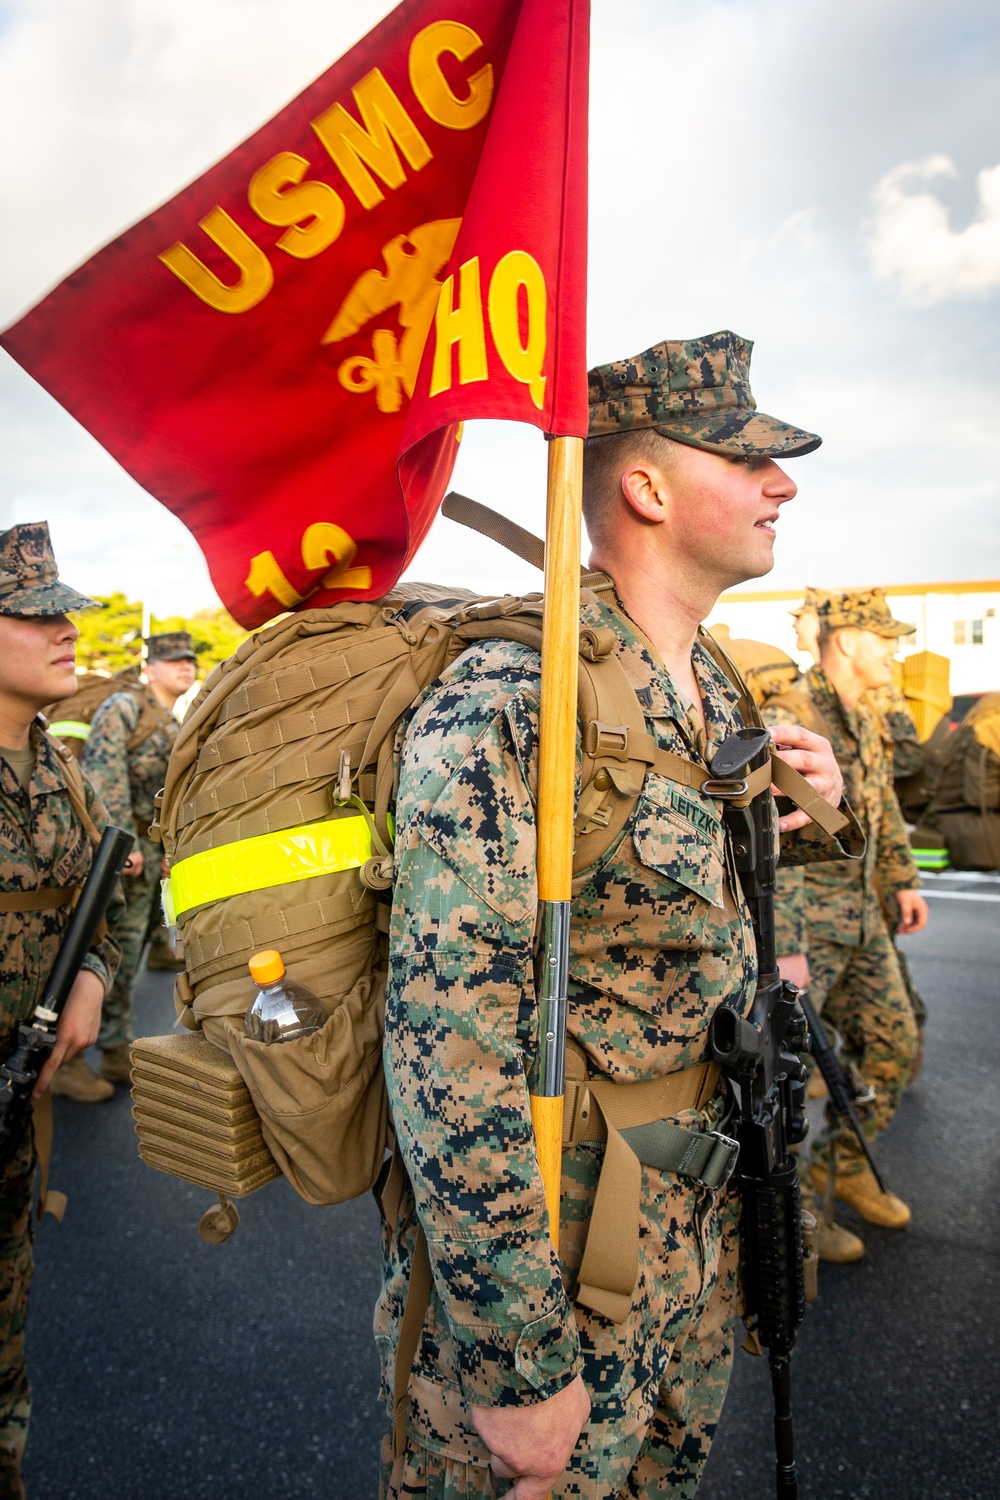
(893, 628)
(46, 599)
(174, 656)
(736, 432)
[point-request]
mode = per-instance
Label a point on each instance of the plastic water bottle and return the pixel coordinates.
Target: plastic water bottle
(281, 1010)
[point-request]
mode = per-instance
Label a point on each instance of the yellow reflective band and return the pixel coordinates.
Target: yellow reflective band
(73, 729)
(270, 859)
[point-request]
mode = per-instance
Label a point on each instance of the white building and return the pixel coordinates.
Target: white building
(957, 620)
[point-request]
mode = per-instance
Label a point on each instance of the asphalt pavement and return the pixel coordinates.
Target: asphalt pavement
(164, 1367)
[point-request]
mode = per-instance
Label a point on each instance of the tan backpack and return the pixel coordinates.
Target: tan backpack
(276, 820)
(961, 824)
(767, 670)
(70, 719)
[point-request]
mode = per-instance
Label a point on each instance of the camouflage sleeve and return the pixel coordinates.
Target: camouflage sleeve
(105, 755)
(907, 751)
(459, 1021)
(104, 956)
(791, 929)
(895, 866)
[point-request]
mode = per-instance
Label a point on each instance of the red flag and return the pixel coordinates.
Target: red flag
(401, 248)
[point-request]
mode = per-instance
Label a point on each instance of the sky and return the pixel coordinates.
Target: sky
(821, 178)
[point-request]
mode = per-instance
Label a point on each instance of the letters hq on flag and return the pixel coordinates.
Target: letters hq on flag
(401, 248)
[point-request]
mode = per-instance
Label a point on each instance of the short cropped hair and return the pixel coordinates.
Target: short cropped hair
(605, 459)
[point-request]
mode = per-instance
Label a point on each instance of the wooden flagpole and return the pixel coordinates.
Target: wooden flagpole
(554, 822)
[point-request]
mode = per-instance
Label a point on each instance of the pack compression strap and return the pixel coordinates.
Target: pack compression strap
(270, 859)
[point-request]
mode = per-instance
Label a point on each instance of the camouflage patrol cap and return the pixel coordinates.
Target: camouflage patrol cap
(866, 609)
(811, 600)
(170, 645)
(696, 391)
(29, 577)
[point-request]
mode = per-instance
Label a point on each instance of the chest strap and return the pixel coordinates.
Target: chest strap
(46, 898)
(631, 1118)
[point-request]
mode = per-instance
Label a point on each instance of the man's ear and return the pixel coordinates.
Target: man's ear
(644, 486)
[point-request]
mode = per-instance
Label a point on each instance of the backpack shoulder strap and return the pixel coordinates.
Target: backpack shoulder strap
(152, 715)
(76, 789)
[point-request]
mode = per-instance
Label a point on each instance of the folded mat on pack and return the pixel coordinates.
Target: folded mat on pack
(194, 1116)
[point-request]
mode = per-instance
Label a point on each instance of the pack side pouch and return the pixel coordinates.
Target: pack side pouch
(322, 1098)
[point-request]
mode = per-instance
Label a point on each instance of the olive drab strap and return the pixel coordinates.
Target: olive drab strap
(45, 898)
(76, 790)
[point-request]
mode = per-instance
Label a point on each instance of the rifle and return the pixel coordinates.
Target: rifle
(35, 1038)
(759, 1054)
(843, 1094)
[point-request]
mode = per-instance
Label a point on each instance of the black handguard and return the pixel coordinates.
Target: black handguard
(759, 1053)
(841, 1090)
(35, 1038)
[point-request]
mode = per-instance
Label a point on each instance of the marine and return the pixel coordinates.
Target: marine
(831, 928)
(528, 1367)
(125, 757)
(908, 758)
(45, 853)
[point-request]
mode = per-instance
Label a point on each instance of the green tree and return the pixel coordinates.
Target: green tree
(111, 638)
(214, 633)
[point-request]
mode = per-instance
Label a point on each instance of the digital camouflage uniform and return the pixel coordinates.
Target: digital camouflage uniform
(42, 844)
(833, 911)
(908, 759)
(128, 780)
(660, 936)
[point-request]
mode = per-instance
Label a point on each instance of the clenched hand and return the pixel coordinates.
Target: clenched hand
(78, 1025)
(533, 1444)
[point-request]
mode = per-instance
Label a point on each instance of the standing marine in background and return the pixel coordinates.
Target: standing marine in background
(49, 819)
(831, 927)
(126, 758)
(907, 756)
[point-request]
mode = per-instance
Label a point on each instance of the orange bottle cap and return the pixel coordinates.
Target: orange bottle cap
(267, 967)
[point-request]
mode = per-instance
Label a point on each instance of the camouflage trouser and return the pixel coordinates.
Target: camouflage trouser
(656, 1382)
(861, 994)
(16, 1265)
(142, 897)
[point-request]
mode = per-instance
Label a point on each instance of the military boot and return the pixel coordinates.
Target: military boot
(116, 1064)
(860, 1191)
(838, 1245)
(77, 1080)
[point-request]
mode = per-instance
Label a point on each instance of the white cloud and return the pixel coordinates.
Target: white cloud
(913, 244)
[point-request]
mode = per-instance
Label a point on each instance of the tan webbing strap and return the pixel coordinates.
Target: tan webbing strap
(797, 788)
(418, 1295)
(76, 790)
(490, 523)
(600, 1109)
(46, 898)
(49, 1202)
